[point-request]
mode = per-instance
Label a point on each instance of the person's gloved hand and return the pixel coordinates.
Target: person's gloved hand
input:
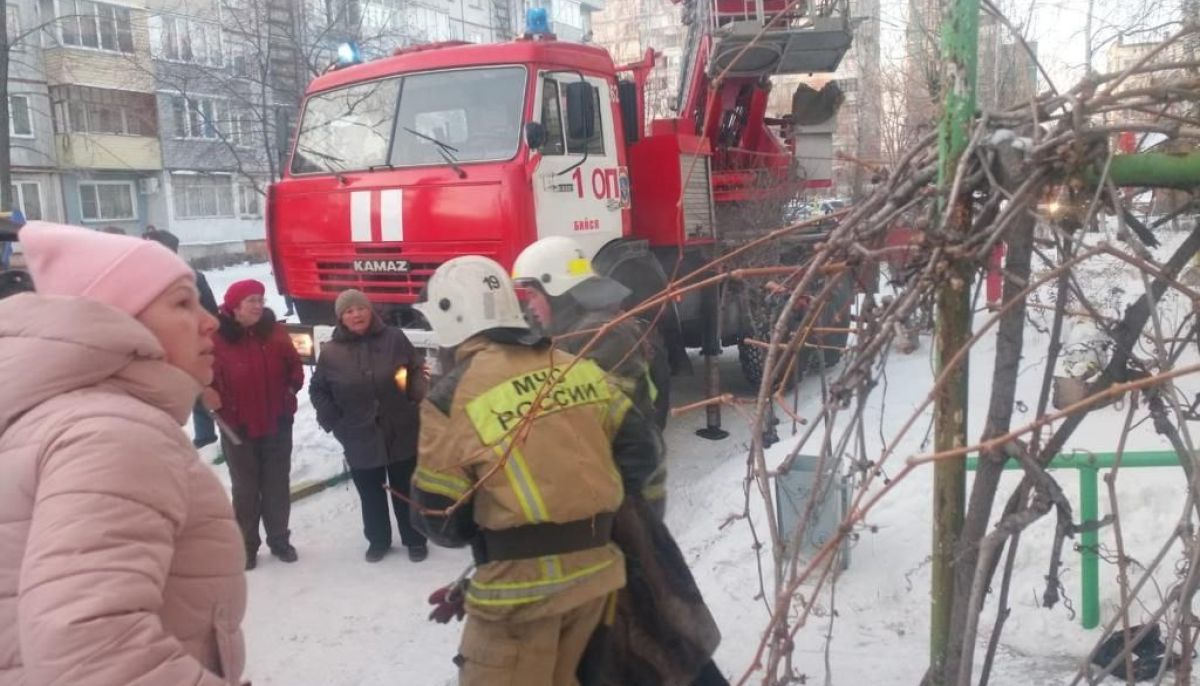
(448, 602)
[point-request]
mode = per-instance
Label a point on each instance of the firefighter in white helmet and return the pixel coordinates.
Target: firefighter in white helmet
(564, 295)
(537, 449)
(566, 300)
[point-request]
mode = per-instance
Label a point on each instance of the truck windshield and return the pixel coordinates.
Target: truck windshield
(474, 115)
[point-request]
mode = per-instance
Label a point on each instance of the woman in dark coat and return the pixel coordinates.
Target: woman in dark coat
(367, 390)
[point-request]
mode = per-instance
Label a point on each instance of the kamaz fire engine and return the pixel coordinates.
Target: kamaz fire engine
(404, 162)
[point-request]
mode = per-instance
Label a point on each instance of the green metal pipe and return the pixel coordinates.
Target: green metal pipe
(1089, 543)
(1083, 460)
(1089, 466)
(1154, 169)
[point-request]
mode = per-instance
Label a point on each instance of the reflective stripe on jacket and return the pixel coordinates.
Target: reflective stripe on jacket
(569, 459)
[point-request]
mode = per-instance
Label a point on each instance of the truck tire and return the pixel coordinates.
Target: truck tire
(315, 312)
(835, 315)
(760, 320)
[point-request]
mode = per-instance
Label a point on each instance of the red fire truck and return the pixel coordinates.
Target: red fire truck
(403, 162)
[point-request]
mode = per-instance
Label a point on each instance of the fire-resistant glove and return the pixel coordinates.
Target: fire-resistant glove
(449, 602)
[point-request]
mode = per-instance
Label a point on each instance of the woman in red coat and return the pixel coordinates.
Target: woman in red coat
(257, 375)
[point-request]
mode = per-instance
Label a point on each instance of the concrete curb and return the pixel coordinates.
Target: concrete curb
(312, 487)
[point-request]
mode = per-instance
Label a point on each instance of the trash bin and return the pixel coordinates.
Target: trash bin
(792, 492)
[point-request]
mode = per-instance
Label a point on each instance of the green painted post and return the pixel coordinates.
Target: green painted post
(960, 55)
(1089, 543)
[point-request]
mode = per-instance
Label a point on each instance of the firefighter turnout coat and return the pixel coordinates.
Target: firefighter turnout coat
(519, 469)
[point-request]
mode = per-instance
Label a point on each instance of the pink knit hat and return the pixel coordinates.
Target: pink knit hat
(121, 271)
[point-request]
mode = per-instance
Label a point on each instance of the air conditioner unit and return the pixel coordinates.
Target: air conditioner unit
(148, 185)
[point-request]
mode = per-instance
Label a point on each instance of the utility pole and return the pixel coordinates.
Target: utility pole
(960, 51)
(6, 199)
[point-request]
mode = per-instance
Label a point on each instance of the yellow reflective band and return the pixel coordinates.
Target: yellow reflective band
(654, 492)
(610, 609)
(652, 387)
(580, 266)
(522, 483)
(616, 413)
(496, 412)
(551, 567)
(451, 486)
(522, 592)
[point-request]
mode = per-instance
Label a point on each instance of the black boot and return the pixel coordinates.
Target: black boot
(375, 553)
(285, 553)
(417, 553)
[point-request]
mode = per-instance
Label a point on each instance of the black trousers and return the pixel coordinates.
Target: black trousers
(377, 526)
(260, 469)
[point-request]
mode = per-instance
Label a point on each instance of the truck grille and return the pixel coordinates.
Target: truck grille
(336, 276)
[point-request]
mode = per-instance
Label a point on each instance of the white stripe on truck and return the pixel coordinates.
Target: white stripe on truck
(391, 214)
(360, 216)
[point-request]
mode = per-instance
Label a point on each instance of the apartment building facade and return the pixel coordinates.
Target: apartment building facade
(178, 113)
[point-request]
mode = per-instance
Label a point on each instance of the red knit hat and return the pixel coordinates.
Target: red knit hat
(239, 291)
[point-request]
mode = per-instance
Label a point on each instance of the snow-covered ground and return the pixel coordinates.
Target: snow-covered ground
(334, 620)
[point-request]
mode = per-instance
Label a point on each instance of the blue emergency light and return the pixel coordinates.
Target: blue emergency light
(537, 21)
(348, 54)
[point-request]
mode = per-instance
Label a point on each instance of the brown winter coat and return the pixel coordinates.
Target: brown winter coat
(120, 562)
(577, 458)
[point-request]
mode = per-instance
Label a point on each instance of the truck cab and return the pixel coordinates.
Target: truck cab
(402, 163)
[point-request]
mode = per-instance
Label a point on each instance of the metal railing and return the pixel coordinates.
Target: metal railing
(1089, 465)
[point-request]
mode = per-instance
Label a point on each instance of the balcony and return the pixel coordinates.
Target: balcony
(108, 151)
(100, 69)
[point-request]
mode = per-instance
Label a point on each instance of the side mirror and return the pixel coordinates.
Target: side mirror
(581, 110)
(535, 135)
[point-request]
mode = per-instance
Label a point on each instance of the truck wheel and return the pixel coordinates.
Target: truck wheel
(315, 312)
(753, 358)
(835, 315)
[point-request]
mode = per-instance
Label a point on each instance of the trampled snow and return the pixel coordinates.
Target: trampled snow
(334, 620)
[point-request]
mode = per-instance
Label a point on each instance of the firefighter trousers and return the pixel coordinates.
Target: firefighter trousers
(542, 652)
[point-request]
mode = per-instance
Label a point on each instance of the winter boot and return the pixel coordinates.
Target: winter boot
(375, 553)
(417, 553)
(285, 553)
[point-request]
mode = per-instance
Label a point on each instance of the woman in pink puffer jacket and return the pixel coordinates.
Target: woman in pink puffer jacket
(120, 561)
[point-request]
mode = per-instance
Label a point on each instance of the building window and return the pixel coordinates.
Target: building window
(197, 196)
(107, 201)
(186, 40)
(241, 129)
(241, 58)
(79, 109)
(13, 25)
(20, 123)
(199, 117)
(249, 201)
(27, 197)
(87, 24)
(567, 12)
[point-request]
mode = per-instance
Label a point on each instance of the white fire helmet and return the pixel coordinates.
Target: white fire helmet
(556, 263)
(469, 295)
